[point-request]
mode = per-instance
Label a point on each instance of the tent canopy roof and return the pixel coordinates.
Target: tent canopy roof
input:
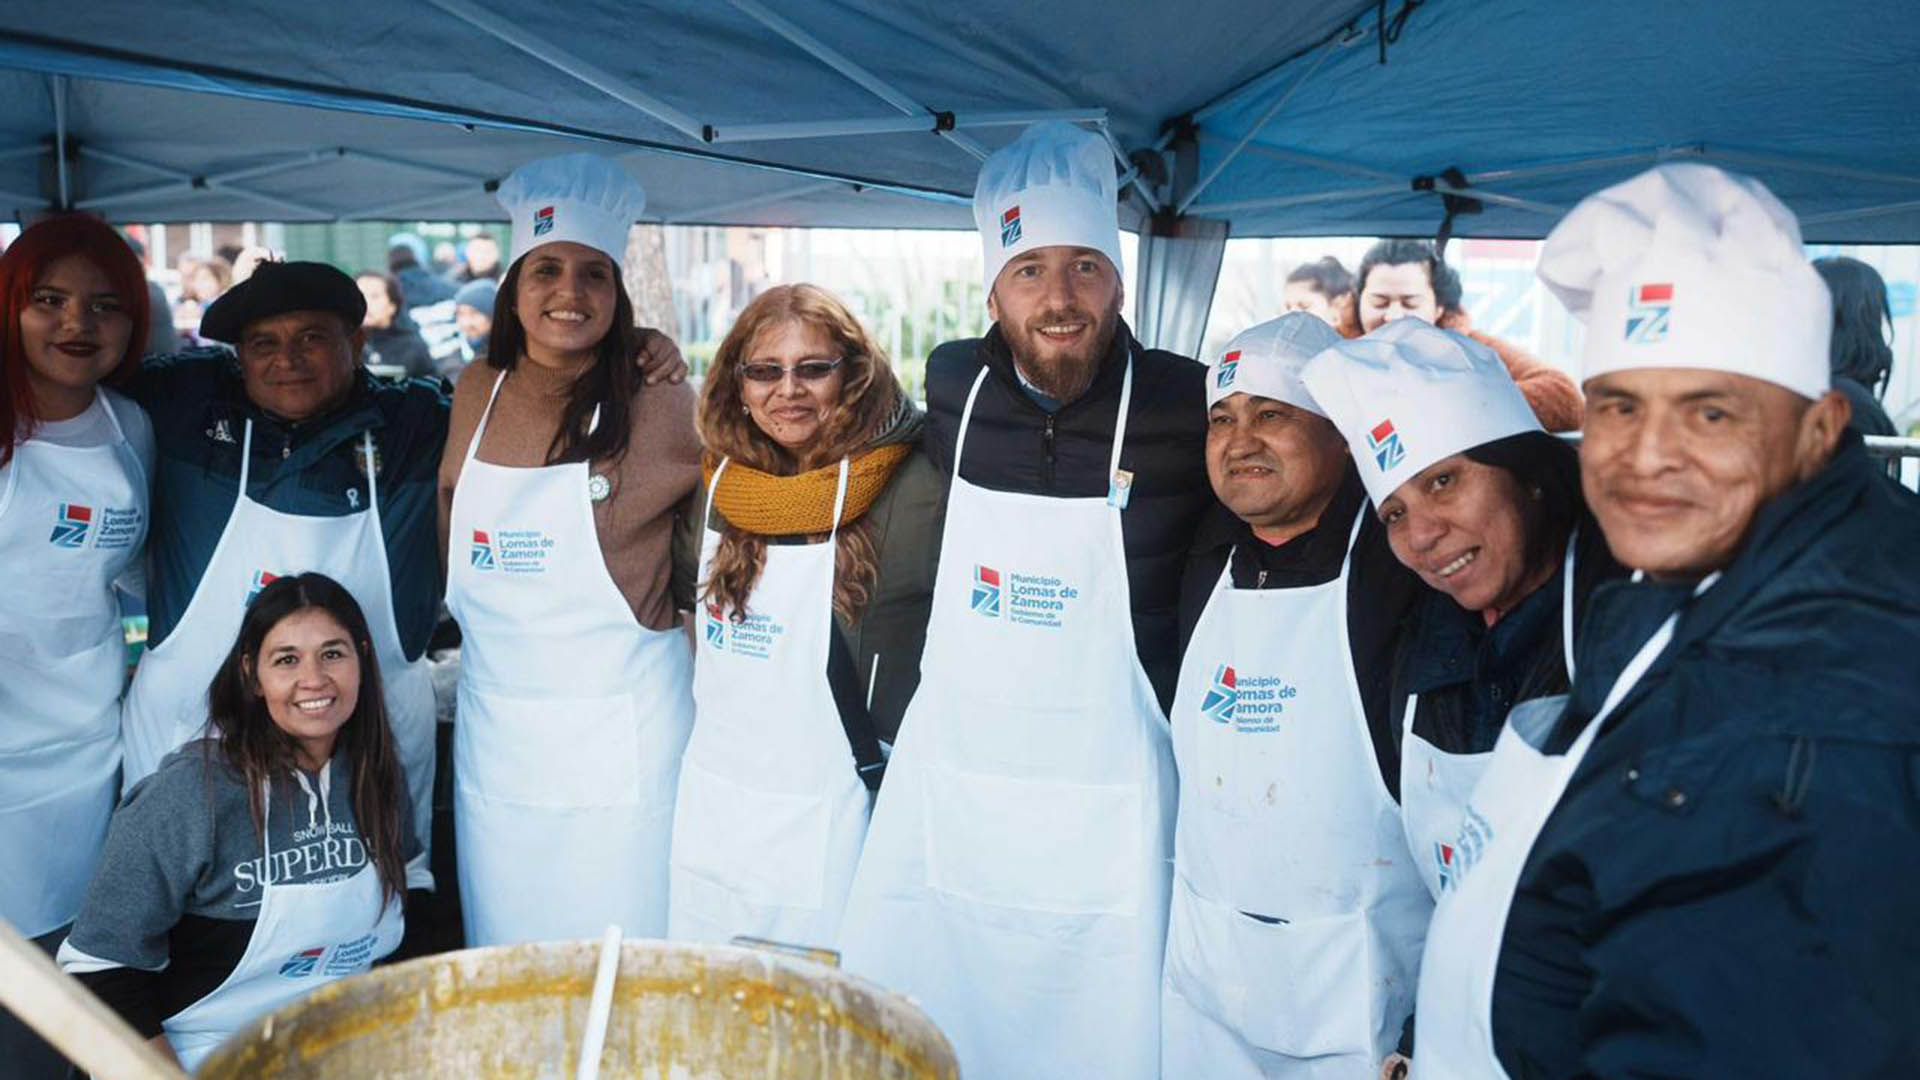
(355, 108)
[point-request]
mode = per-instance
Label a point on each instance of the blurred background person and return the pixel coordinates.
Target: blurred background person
(407, 260)
(820, 517)
(75, 463)
(393, 343)
(1321, 288)
(1862, 326)
(1400, 278)
(473, 313)
(481, 259)
(268, 859)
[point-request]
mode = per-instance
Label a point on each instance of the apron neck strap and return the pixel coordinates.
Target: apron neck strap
(966, 420)
(246, 455)
(839, 502)
(473, 444)
(713, 486)
(373, 484)
(1119, 421)
(1644, 659)
(1566, 601)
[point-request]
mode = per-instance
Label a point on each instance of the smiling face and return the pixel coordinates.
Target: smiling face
(1461, 526)
(1397, 291)
(1059, 308)
(1676, 462)
(792, 408)
(565, 302)
(299, 365)
(1303, 296)
(308, 675)
(74, 332)
(1274, 465)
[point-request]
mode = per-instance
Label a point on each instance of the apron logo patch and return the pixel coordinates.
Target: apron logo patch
(1443, 864)
(716, 628)
(482, 552)
(1229, 369)
(1030, 599)
(1649, 309)
(753, 636)
(511, 551)
(302, 964)
(1010, 227)
(77, 527)
(1386, 446)
(261, 579)
(986, 590)
(1221, 697)
(1476, 832)
(71, 526)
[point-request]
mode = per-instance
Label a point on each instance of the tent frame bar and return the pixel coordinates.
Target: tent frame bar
(839, 62)
(1187, 200)
(567, 63)
(1859, 213)
(1440, 187)
(58, 88)
(379, 213)
(407, 163)
(24, 200)
(890, 125)
(706, 213)
(184, 181)
(1294, 157)
(30, 150)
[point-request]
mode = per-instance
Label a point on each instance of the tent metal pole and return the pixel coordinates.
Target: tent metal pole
(889, 125)
(180, 179)
(378, 213)
(706, 212)
(59, 88)
(1295, 157)
(559, 59)
(32, 150)
(839, 62)
(1266, 118)
(1132, 173)
(1860, 213)
(1351, 33)
(1279, 201)
(1577, 166)
(422, 166)
(23, 199)
(1787, 164)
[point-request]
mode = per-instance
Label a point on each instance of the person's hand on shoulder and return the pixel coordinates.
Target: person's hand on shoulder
(659, 358)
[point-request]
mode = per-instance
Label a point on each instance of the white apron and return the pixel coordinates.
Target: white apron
(771, 811)
(1015, 877)
(572, 716)
(167, 703)
(1509, 807)
(1297, 913)
(71, 519)
(1435, 785)
(306, 936)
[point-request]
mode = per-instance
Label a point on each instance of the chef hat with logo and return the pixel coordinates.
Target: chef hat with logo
(1053, 186)
(1687, 266)
(1409, 394)
(1265, 360)
(583, 198)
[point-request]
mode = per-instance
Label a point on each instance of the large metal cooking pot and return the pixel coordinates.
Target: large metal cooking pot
(680, 1012)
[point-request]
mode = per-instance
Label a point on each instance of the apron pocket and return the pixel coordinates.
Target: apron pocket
(1068, 849)
(765, 847)
(558, 752)
(1308, 984)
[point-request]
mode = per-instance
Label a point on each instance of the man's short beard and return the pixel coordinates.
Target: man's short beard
(1064, 376)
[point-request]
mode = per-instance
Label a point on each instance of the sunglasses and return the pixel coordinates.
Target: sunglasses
(806, 370)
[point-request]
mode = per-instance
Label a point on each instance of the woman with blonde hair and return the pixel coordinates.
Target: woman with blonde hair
(818, 541)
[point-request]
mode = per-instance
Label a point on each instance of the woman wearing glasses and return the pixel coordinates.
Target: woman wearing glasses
(560, 484)
(819, 536)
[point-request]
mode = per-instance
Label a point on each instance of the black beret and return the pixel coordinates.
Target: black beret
(277, 288)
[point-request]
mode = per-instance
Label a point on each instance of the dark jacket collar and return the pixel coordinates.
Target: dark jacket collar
(1453, 645)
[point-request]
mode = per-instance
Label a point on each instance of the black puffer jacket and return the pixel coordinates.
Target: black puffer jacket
(1014, 445)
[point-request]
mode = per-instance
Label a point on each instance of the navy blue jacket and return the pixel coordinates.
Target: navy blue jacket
(199, 408)
(1015, 445)
(1731, 884)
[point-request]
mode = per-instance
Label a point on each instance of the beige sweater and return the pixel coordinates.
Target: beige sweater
(652, 483)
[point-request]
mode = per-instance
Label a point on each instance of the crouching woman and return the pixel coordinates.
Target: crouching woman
(267, 859)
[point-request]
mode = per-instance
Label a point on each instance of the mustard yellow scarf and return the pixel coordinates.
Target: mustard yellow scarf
(768, 505)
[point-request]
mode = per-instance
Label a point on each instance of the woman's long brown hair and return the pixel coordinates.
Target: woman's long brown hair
(869, 396)
(256, 748)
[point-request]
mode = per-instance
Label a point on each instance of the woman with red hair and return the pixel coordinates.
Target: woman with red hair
(74, 462)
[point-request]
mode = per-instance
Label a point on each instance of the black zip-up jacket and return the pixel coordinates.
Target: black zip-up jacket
(1728, 887)
(1015, 445)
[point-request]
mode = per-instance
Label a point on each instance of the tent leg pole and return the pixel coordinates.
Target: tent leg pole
(59, 88)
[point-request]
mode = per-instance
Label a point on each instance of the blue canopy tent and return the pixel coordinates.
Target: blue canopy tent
(1227, 117)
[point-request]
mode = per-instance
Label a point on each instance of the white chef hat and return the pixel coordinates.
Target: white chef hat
(1687, 266)
(584, 198)
(1409, 394)
(1265, 360)
(1053, 186)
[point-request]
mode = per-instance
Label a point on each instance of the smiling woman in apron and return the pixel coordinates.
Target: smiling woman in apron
(1486, 509)
(560, 486)
(816, 573)
(75, 459)
(269, 860)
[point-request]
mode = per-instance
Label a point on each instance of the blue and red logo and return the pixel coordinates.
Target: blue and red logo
(1010, 227)
(543, 221)
(1386, 446)
(986, 591)
(302, 964)
(261, 579)
(482, 551)
(716, 626)
(71, 525)
(1649, 309)
(1445, 864)
(1222, 696)
(1229, 368)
